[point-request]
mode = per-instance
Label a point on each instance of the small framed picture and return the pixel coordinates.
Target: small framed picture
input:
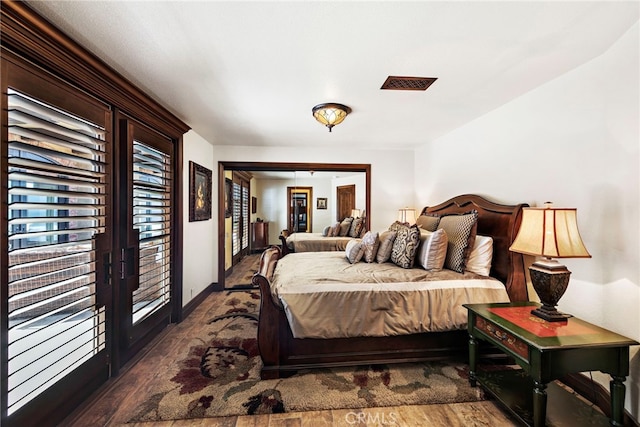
(321, 203)
(199, 192)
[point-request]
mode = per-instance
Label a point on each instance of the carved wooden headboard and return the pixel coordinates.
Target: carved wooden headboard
(501, 222)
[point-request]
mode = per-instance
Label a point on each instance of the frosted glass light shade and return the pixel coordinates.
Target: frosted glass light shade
(550, 232)
(330, 114)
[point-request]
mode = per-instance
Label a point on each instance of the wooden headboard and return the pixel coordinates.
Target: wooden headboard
(501, 222)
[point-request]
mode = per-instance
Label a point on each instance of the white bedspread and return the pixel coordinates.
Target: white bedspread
(326, 297)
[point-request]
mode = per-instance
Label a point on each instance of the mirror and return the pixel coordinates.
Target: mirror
(299, 197)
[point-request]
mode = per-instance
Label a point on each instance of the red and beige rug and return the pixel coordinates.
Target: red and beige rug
(219, 375)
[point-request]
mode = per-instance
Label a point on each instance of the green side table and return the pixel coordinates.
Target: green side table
(545, 351)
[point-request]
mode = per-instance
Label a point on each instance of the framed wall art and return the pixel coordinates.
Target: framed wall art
(321, 203)
(199, 192)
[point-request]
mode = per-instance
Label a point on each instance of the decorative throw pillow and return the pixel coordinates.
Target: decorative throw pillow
(405, 246)
(481, 256)
(396, 226)
(356, 227)
(335, 230)
(386, 244)
(428, 222)
(345, 225)
(432, 250)
(370, 244)
(325, 232)
(354, 250)
(461, 233)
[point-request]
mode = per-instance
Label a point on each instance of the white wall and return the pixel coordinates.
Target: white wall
(574, 141)
(200, 253)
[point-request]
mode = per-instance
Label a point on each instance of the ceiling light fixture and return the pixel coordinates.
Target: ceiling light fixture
(330, 114)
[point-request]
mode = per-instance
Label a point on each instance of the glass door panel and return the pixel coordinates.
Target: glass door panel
(57, 214)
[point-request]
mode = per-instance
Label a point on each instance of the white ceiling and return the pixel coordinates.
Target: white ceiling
(248, 73)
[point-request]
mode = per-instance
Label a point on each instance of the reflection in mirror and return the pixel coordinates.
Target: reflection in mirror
(286, 199)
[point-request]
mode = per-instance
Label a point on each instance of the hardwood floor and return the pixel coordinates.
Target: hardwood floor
(117, 400)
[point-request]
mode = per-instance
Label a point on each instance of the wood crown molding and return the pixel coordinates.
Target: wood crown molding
(32, 37)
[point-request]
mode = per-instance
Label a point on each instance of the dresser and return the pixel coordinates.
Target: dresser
(259, 235)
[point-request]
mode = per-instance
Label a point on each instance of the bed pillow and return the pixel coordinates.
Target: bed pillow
(325, 232)
(335, 230)
(354, 250)
(403, 252)
(386, 244)
(461, 234)
(370, 244)
(345, 225)
(432, 250)
(428, 222)
(356, 227)
(481, 255)
(397, 225)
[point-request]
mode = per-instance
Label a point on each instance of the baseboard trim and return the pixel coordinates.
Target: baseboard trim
(197, 300)
(595, 393)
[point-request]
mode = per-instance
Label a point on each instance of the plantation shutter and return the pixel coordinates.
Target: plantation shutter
(57, 190)
(152, 220)
(237, 217)
(245, 216)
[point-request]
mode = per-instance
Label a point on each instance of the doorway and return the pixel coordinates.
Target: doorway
(299, 212)
(346, 201)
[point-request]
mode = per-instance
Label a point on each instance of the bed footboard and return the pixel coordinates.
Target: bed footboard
(271, 315)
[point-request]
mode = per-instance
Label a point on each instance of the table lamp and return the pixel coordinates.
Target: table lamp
(407, 215)
(355, 213)
(549, 232)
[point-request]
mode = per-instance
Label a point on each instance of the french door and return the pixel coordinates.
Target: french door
(87, 246)
(145, 253)
(55, 292)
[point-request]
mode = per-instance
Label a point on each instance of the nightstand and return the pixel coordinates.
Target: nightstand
(545, 351)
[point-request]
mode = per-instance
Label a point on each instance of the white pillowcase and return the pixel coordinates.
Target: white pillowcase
(432, 250)
(481, 255)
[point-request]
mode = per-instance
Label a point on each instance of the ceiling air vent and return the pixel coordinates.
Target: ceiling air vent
(408, 83)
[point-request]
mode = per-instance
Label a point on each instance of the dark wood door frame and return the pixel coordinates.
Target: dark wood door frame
(280, 167)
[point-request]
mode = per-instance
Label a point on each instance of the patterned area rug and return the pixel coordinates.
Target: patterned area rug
(219, 375)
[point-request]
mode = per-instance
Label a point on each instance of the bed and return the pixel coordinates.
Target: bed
(312, 242)
(333, 239)
(282, 352)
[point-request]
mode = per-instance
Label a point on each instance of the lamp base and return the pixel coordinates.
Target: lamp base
(550, 314)
(550, 280)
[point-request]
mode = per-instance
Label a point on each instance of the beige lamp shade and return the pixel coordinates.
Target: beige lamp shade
(355, 213)
(407, 215)
(550, 232)
(330, 114)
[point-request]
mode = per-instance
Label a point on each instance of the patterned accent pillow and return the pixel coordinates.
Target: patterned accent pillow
(428, 222)
(335, 230)
(386, 244)
(405, 246)
(370, 244)
(356, 227)
(396, 226)
(354, 250)
(461, 232)
(481, 255)
(345, 225)
(432, 250)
